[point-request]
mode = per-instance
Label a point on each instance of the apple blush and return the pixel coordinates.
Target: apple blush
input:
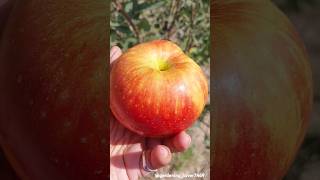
(156, 90)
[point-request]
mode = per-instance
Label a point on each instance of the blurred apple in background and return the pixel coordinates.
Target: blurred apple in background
(156, 90)
(5, 7)
(6, 171)
(262, 91)
(53, 83)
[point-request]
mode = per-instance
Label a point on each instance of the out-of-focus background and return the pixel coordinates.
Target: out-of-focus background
(305, 15)
(187, 23)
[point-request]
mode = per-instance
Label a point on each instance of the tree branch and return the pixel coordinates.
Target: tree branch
(189, 41)
(175, 14)
(120, 9)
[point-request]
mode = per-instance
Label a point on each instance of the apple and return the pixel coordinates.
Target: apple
(262, 91)
(156, 90)
(53, 82)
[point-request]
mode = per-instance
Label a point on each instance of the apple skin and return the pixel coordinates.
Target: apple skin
(153, 102)
(53, 81)
(262, 91)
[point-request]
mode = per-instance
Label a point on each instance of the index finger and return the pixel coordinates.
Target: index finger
(179, 142)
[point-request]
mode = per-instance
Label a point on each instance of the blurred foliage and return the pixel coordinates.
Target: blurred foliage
(186, 23)
(183, 159)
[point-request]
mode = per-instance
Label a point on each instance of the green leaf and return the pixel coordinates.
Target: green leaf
(128, 43)
(148, 6)
(144, 24)
(114, 24)
(189, 3)
(124, 29)
(128, 6)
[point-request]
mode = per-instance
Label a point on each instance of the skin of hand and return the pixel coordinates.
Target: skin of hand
(126, 147)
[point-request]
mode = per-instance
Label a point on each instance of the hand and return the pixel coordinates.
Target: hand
(128, 148)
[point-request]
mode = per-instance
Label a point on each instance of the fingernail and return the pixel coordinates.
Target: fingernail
(164, 151)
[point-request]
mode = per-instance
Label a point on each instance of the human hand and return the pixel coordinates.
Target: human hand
(127, 149)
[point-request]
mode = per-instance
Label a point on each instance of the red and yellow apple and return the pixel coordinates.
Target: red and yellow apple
(156, 90)
(262, 91)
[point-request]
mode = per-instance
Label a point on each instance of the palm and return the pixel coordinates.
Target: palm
(125, 152)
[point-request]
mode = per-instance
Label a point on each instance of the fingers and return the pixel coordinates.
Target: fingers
(153, 142)
(155, 158)
(178, 143)
(160, 156)
(131, 157)
(115, 53)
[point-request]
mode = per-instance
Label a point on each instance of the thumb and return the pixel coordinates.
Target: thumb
(156, 158)
(115, 53)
